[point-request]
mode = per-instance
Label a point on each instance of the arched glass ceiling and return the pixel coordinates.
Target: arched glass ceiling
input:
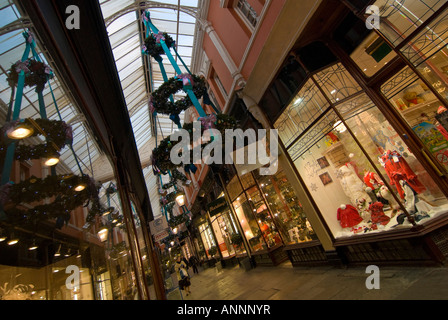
(12, 46)
(140, 75)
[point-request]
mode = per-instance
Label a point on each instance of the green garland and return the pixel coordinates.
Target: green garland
(161, 154)
(60, 188)
(160, 102)
(178, 220)
(154, 48)
(36, 73)
(57, 134)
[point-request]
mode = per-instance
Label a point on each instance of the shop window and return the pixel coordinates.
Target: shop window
(305, 107)
(337, 83)
(372, 55)
(358, 170)
(422, 111)
(400, 18)
(207, 238)
(286, 210)
(245, 215)
(427, 51)
(224, 230)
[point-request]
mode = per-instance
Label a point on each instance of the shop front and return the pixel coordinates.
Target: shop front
(366, 133)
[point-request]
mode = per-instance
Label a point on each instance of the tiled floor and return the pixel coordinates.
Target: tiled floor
(320, 283)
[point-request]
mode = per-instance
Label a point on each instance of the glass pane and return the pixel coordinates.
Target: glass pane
(263, 217)
(286, 208)
(400, 18)
(421, 110)
(306, 106)
(249, 224)
(372, 55)
(428, 52)
(337, 83)
(207, 238)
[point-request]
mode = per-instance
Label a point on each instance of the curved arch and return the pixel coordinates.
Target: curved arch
(150, 4)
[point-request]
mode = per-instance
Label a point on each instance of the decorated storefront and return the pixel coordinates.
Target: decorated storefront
(365, 129)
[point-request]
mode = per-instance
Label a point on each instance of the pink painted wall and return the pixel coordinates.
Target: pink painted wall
(269, 20)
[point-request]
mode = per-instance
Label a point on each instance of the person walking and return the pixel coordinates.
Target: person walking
(194, 264)
(182, 275)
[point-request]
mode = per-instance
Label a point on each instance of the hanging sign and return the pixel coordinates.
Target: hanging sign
(158, 225)
(217, 206)
(160, 236)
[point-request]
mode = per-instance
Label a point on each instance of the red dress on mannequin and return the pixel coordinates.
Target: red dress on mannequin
(377, 213)
(398, 169)
(348, 216)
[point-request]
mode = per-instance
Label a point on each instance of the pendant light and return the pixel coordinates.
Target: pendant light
(52, 159)
(33, 246)
(103, 232)
(58, 252)
(21, 131)
(180, 198)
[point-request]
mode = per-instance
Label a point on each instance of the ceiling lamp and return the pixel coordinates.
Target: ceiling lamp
(80, 187)
(52, 159)
(20, 131)
(58, 253)
(180, 198)
(103, 233)
(33, 246)
(107, 211)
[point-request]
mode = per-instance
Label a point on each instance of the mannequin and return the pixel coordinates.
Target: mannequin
(352, 185)
(386, 194)
(398, 169)
(372, 180)
(416, 207)
(348, 216)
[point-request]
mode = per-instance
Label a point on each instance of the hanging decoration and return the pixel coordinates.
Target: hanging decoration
(39, 199)
(68, 191)
(57, 135)
(37, 73)
(161, 103)
(153, 45)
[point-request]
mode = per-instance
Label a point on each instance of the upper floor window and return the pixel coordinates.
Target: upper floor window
(248, 12)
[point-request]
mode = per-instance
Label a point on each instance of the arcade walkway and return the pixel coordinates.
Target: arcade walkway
(318, 283)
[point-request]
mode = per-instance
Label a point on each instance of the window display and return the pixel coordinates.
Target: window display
(359, 171)
(286, 209)
(207, 238)
(421, 110)
(223, 231)
(248, 223)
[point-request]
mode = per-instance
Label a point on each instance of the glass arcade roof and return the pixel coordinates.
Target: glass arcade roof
(139, 75)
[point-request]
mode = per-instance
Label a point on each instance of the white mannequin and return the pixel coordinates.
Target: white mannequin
(352, 185)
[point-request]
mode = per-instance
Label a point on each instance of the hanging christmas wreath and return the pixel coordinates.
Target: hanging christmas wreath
(36, 73)
(57, 135)
(161, 160)
(153, 46)
(178, 220)
(65, 193)
(160, 99)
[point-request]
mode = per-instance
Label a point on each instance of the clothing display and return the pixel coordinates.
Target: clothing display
(377, 214)
(348, 216)
(398, 169)
(352, 185)
(372, 180)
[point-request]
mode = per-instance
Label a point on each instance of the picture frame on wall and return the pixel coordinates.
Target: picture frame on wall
(325, 178)
(323, 162)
